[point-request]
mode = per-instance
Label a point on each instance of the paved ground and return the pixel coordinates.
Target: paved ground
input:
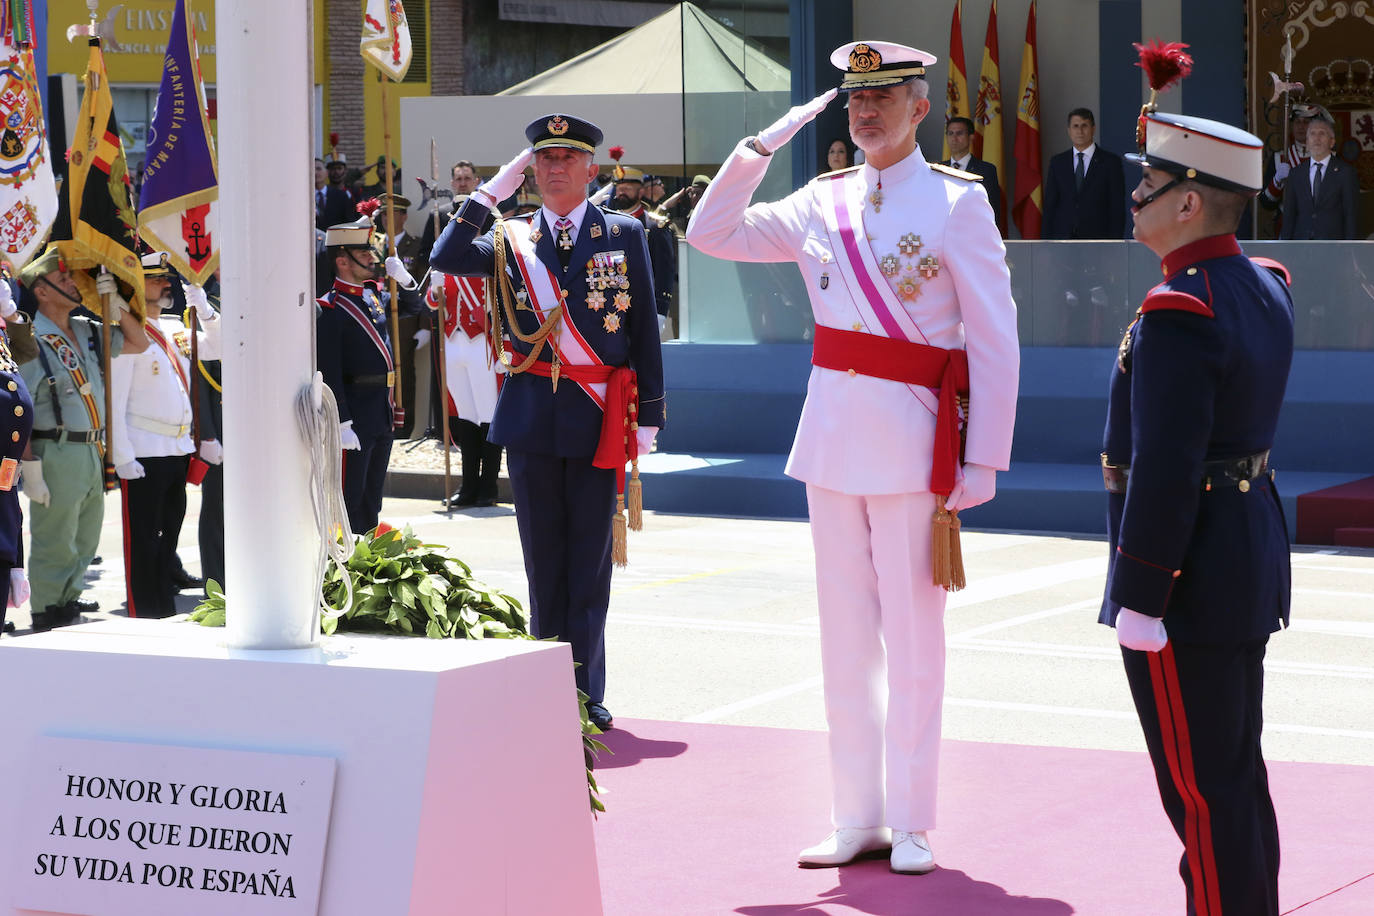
(715, 621)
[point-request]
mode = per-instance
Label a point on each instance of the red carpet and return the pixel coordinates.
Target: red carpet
(706, 820)
(1322, 512)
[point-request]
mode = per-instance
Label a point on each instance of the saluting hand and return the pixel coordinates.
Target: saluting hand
(506, 181)
(786, 127)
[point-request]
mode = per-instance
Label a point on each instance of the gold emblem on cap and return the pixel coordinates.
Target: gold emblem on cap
(864, 59)
(557, 126)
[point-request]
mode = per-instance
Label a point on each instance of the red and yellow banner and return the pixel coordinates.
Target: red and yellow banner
(956, 88)
(987, 111)
(1027, 206)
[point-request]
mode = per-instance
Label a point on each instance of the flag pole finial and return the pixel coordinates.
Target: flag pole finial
(93, 5)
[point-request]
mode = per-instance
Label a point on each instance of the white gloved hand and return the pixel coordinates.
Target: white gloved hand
(602, 194)
(422, 338)
(786, 127)
(396, 270)
(436, 283)
(645, 437)
(977, 485)
(196, 298)
(31, 478)
(19, 586)
(662, 323)
(1281, 172)
(348, 437)
(1141, 632)
(507, 180)
(7, 306)
(212, 451)
(130, 470)
(105, 285)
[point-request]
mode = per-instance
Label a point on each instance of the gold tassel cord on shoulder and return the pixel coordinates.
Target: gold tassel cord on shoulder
(506, 293)
(946, 556)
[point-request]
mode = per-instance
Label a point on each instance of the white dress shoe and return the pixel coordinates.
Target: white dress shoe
(844, 846)
(911, 853)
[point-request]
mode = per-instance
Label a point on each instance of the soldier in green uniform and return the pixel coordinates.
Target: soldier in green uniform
(63, 473)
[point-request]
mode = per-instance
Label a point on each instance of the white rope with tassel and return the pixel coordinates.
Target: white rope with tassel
(318, 416)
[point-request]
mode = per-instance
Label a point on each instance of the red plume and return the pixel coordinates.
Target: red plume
(368, 207)
(333, 138)
(1164, 63)
(616, 152)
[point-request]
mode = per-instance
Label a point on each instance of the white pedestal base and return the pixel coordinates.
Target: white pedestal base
(459, 786)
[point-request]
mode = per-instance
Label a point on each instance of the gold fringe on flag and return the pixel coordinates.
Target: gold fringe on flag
(946, 557)
(620, 551)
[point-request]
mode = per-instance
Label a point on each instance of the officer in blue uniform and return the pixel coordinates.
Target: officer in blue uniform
(1198, 575)
(16, 423)
(577, 292)
(353, 347)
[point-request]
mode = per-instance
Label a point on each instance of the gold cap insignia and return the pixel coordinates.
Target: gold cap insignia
(864, 59)
(557, 126)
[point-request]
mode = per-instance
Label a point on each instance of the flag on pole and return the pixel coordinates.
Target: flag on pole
(103, 228)
(1027, 201)
(178, 209)
(386, 37)
(987, 111)
(28, 193)
(956, 87)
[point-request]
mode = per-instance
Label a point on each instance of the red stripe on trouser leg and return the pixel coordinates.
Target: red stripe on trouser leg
(1169, 665)
(128, 547)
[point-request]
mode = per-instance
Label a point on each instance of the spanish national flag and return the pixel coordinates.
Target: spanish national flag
(1027, 205)
(956, 88)
(987, 111)
(104, 227)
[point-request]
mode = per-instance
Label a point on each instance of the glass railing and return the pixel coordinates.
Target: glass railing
(1068, 294)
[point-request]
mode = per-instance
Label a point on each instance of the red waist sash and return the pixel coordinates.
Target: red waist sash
(618, 443)
(943, 371)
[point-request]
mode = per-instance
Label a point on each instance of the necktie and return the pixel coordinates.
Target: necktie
(1317, 182)
(565, 242)
(319, 201)
(1078, 173)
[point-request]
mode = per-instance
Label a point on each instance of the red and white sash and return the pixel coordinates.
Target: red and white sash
(161, 339)
(351, 308)
(878, 306)
(544, 296)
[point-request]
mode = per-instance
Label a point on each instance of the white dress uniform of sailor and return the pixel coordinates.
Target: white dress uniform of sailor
(931, 256)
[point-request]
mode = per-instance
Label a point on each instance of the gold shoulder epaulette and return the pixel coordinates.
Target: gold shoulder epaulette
(952, 172)
(838, 172)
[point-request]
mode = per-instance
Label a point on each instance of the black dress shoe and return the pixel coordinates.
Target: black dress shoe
(486, 502)
(52, 617)
(600, 716)
(463, 500)
(184, 580)
(9, 626)
(84, 605)
(97, 560)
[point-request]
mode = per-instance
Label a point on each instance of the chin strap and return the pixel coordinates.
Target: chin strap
(1160, 193)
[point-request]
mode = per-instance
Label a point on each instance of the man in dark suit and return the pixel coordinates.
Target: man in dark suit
(1085, 190)
(959, 136)
(1198, 573)
(1319, 199)
(332, 205)
(576, 295)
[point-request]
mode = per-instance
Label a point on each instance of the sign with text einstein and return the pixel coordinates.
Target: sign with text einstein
(114, 828)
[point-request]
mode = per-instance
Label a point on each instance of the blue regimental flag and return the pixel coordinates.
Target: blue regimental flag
(178, 207)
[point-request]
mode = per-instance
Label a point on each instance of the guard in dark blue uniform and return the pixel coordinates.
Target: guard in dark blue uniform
(1199, 573)
(353, 347)
(16, 423)
(575, 297)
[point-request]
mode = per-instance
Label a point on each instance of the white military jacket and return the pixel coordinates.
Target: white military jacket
(935, 233)
(150, 404)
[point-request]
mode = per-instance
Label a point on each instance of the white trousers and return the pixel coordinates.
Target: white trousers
(882, 655)
(471, 381)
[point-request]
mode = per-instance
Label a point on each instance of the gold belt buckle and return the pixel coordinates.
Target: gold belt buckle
(391, 380)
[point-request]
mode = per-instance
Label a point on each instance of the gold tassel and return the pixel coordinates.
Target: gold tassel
(620, 551)
(635, 491)
(946, 557)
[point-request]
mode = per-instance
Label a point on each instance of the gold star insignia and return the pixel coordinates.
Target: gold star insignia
(596, 300)
(611, 322)
(622, 301)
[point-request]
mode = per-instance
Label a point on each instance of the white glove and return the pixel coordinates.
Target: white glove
(348, 437)
(436, 283)
(195, 297)
(130, 470)
(1141, 632)
(662, 323)
(421, 338)
(786, 127)
(396, 270)
(645, 436)
(212, 451)
(1281, 172)
(506, 181)
(105, 286)
(31, 478)
(7, 306)
(602, 194)
(19, 586)
(977, 485)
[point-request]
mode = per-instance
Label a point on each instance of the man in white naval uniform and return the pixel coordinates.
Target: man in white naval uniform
(151, 439)
(907, 278)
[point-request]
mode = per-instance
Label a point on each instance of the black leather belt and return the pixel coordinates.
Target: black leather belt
(1230, 472)
(371, 381)
(70, 435)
